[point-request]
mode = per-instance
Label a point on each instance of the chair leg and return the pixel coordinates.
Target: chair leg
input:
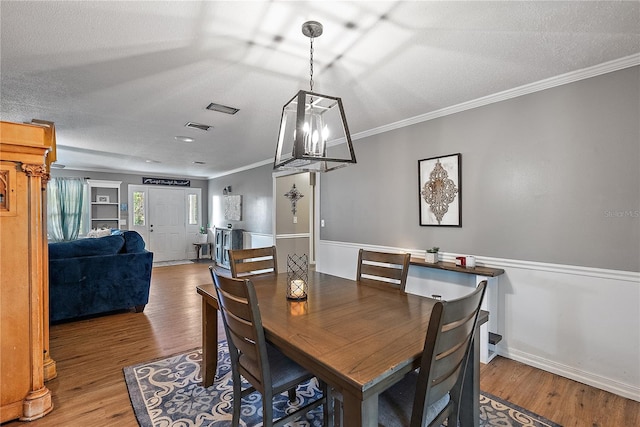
(292, 394)
(267, 409)
(237, 400)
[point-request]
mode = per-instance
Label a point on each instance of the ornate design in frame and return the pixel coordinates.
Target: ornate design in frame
(233, 208)
(439, 180)
(8, 182)
(4, 190)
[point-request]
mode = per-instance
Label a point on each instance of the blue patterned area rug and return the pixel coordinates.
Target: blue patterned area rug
(168, 393)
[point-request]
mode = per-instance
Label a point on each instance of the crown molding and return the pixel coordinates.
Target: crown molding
(242, 169)
(562, 79)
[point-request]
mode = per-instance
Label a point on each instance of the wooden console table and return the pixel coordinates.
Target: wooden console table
(488, 331)
(450, 266)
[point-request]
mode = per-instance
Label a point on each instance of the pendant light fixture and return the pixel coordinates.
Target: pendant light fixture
(314, 135)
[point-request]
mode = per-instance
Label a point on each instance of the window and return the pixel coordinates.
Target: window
(138, 208)
(65, 208)
(193, 209)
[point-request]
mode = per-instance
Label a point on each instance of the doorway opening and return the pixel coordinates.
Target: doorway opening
(295, 212)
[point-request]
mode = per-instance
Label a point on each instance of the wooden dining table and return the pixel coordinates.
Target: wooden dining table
(359, 339)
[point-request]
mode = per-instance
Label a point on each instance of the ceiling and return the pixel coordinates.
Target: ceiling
(120, 79)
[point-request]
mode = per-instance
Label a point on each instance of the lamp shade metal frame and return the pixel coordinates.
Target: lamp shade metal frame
(297, 149)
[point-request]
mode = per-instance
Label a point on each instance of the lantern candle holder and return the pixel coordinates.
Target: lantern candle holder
(297, 277)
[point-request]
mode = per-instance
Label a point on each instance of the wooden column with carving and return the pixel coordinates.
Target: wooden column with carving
(49, 365)
(24, 326)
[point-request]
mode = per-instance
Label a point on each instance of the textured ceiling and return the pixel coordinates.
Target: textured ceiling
(121, 78)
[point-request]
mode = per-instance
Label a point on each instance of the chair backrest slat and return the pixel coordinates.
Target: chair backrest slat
(254, 261)
(383, 268)
(241, 328)
(446, 367)
(258, 265)
(392, 273)
(454, 337)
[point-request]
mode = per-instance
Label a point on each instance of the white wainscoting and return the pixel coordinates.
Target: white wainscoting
(256, 240)
(578, 322)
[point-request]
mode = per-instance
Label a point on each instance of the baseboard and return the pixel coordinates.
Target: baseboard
(625, 390)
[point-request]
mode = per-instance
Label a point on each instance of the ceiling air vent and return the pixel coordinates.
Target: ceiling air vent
(198, 126)
(222, 108)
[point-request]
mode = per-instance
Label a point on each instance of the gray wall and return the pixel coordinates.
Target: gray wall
(256, 188)
(131, 179)
(552, 176)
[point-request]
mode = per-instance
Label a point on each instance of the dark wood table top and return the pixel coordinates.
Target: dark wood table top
(357, 338)
(353, 336)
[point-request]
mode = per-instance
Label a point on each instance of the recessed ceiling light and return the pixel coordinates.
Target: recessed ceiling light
(151, 161)
(58, 166)
(222, 108)
(184, 138)
(198, 126)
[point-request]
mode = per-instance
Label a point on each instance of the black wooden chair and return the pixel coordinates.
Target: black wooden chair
(382, 268)
(265, 367)
(431, 395)
(251, 262)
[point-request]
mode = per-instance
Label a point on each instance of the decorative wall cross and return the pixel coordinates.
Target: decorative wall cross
(294, 195)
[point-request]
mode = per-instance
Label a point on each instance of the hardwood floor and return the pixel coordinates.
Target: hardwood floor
(90, 354)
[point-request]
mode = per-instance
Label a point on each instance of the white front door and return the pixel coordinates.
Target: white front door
(167, 234)
(168, 219)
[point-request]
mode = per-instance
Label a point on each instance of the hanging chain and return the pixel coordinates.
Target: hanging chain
(311, 65)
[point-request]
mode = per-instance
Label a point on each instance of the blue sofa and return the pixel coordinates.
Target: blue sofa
(98, 275)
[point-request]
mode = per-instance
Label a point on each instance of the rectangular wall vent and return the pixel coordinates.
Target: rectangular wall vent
(198, 126)
(222, 108)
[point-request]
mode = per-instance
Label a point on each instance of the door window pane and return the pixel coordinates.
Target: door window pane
(138, 208)
(192, 200)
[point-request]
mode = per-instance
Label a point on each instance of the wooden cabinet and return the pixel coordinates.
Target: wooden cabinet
(26, 151)
(104, 197)
(225, 239)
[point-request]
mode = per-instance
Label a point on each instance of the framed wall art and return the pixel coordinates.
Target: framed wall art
(233, 207)
(102, 199)
(439, 189)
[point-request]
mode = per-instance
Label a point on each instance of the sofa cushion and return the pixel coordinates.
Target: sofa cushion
(108, 245)
(133, 242)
